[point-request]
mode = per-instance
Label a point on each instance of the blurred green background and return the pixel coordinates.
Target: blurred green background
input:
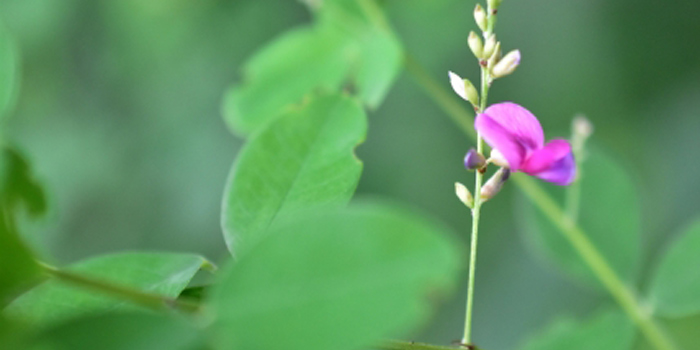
(119, 113)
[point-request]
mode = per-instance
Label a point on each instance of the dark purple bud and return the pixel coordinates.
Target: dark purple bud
(474, 160)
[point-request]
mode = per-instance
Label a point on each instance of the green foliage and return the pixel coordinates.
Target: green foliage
(17, 186)
(8, 72)
(304, 159)
(119, 331)
(339, 47)
(675, 288)
(335, 280)
(610, 215)
(165, 274)
(17, 265)
(610, 330)
(293, 65)
(377, 53)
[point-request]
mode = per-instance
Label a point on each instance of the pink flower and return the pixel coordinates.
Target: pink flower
(516, 136)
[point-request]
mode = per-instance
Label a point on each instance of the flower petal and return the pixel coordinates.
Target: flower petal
(543, 158)
(501, 139)
(518, 121)
(562, 172)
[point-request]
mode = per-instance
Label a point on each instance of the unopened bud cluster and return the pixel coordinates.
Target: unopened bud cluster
(494, 64)
(488, 51)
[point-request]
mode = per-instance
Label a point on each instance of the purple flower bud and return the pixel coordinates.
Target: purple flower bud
(474, 160)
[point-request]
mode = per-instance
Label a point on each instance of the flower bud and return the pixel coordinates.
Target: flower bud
(475, 45)
(489, 46)
(582, 127)
(495, 183)
(507, 64)
(464, 88)
(474, 160)
(480, 17)
(464, 195)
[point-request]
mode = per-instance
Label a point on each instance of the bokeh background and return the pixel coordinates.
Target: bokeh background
(119, 113)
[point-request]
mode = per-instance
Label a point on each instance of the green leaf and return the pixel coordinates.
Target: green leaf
(17, 183)
(165, 274)
(304, 159)
(380, 63)
(609, 214)
(281, 74)
(343, 46)
(136, 331)
(608, 330)
(9, 66)
(17, 265)
(378, 55)
(337, 280)
(11, 334)
(675, 288)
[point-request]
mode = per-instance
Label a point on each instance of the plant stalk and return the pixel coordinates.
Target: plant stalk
(476, 214)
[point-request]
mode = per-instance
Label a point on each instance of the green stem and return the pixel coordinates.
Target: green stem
(476, 215)
(148, 300)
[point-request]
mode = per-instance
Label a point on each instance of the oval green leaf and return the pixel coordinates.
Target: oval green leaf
(377, 53)
(337, 280)
(304, 159)
(343, 46)
(281, 74)
(610, 330)
(166, 274)
(675, 288)
(609, 214)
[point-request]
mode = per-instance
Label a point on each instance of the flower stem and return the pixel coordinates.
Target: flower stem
(476, 214)
(148, 300)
